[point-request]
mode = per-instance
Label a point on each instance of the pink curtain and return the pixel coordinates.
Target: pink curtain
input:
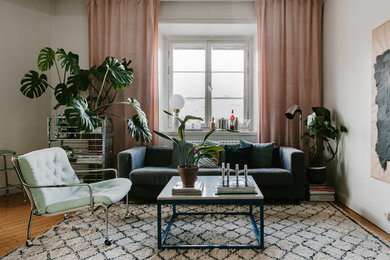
(290, 64)
(127, 29)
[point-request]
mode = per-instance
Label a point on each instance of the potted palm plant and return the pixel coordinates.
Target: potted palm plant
(190, 154)
(100, 83)
(321, 135)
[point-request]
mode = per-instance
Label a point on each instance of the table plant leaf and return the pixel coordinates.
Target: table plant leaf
(33, 84)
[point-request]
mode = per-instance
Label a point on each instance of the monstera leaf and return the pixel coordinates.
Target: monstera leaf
(69, 61)
(122, 77)
(33, 84)
(78, 114)
(138, 126)
(79, 82)
(46, 59)
(63, 94)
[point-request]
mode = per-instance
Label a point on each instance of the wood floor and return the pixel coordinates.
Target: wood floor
(14, 213)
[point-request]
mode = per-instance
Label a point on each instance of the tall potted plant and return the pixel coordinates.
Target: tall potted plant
(190, 156)
(100, 82)
(321, 135)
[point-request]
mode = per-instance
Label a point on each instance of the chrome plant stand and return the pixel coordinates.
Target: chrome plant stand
(4, 154)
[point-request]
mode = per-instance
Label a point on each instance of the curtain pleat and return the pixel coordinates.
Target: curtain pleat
(290, 65)
(127, 29)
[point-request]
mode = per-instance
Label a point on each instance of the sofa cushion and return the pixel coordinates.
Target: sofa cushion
(177, 156)
(239, 155)
(261, 156)
(271, 176)
(158, 156)
(154, 176)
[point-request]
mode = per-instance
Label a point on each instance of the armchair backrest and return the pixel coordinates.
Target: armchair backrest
(47, 167)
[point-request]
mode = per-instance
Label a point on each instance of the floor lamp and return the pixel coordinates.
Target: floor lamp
(290, 113)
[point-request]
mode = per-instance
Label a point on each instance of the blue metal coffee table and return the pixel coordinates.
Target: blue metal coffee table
(209, 197)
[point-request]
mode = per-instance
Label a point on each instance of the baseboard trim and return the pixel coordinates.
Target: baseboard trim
(379, 221)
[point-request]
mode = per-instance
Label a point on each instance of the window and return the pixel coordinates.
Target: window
(212, 76)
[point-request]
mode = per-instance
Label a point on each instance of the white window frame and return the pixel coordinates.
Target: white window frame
(208, 43)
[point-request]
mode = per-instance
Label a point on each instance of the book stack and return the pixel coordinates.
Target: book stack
(235, 187)
(178, 189)
(89, 159)
(321, 192)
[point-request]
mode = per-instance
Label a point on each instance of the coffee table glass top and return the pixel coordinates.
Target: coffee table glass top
(209, 190)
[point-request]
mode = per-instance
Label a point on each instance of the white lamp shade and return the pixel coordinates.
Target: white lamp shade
(177, 101)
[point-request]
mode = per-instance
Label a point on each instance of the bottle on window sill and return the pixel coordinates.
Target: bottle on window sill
(232, 119)
(212, 124)
(236, 123)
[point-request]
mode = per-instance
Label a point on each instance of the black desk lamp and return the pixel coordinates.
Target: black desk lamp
(290, 113)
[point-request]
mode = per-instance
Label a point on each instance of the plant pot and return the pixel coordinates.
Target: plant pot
(188, 174)
(316, 175)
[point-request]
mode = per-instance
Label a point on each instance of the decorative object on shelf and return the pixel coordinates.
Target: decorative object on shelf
(212, 124)
(222, 123)
(189, 155)
(290, 114)
(247, 122)
(103, 81)
(176, 103)
(321, 135)
(380, 103)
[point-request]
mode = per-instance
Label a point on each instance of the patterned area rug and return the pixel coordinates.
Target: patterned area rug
(305, 231)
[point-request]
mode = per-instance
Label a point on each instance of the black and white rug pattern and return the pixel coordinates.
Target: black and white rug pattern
(305, 231)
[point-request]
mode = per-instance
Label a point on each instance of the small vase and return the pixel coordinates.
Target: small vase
(188, 174)
(316, 175)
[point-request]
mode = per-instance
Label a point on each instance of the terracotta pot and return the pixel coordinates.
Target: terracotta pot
(316, 175)
(188, 174)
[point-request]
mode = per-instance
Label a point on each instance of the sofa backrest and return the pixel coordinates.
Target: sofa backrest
(161, 156)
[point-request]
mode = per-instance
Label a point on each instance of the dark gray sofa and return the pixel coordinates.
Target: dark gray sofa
(148, 169)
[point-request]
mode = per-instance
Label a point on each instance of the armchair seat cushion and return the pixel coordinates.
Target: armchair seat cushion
(106, 192)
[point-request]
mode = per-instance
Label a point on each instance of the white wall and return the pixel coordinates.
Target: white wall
(348, 26)
(24, 30)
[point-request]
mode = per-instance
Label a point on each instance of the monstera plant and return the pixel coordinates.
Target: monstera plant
(101, 82)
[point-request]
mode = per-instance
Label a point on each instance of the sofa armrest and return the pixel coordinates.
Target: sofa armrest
(130, 159)
(293, 160)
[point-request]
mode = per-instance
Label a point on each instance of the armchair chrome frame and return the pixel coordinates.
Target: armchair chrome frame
(33, 211)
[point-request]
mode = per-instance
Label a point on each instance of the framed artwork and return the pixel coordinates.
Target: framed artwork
(380, 103)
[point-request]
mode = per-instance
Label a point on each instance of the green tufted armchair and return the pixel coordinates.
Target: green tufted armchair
(53, 187)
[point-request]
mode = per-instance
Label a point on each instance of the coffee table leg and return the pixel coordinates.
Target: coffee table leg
(262, 224)
(174, 209)
(159, 224)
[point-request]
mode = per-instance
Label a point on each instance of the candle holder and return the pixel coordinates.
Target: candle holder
(227, 173)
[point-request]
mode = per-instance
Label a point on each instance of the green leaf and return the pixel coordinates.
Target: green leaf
(78, 114)
(81, 80)
(322, 111)
(139, 126)
(182, 126)
(123, 77)
(33, 84)
(69, 61)
(63, 94)
(173, 115)
(167, 137)
(45, 59)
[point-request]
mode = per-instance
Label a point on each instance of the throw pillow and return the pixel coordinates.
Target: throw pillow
(177, 156)
(238, 155)
(261, 156)
(210, 162)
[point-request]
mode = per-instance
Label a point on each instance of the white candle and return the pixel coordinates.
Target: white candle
(237, 171)
(223, 173)
(227, 173)
(246, 174)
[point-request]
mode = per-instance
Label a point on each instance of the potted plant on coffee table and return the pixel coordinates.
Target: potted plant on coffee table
(190, 154)
(321, 135)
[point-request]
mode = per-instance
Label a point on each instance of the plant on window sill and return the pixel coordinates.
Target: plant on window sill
(103, 81)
